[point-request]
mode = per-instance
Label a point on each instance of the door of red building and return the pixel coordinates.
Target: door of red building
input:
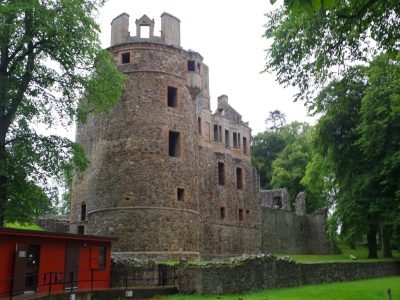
(20, 269)
(71, 265)
(26, 268)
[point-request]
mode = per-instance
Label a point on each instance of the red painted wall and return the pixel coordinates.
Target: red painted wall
(52, 259)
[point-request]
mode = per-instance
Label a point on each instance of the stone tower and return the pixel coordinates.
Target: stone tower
(167, 176)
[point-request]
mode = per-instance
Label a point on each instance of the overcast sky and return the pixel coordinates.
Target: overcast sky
(228, 34)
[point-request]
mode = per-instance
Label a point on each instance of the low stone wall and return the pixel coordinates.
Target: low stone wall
(269, 272)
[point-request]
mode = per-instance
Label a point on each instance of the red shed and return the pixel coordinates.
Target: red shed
(43, 262)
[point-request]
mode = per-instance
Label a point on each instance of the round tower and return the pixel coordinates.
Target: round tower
(142, 183)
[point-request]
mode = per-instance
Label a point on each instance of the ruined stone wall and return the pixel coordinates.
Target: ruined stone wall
(269, 272)
(236, 230)
(54, 223)
(286, 232)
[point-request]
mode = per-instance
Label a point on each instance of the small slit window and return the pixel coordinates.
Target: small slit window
(221, 173)
(172, 96)
(174, 144)
(239, 178)
(125, 58)
(191, 65)
(240, 214)
(222, 212)
(83, 211)
(180, 194)
(199, 125)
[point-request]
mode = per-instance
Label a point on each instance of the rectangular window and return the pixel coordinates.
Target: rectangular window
(102, 257)
(181, 194)
(244, 145)
(207, 130)
(125, 58)
(239, 178)
(222, 212)
(81, 229)
(221, 173)
(238, 140)
(216, 133)
(227, 138)
(174, 144)
(172, 96)
(234, 140)
(240, 214)
(199, 125)
(191, 65)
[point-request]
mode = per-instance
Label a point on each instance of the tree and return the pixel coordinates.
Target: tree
(49, 58)
(265, 147)
(313, 46)
(276, 120)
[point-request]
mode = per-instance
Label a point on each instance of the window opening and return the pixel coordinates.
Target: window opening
(227, 138)
(181, 194)
(191, 65)
(222, 212)
(277, 202)
(220, 133)
(102, 257)
(144, 31)
(234, 140)
(174, 144)
(198, 67)
(199, 124)
(247, 211)
(221, 173)
(240, 214)
(125, 58)
(244, 145)
(83, 211)
(81, 229)
(239, 178)
(172, 96)
(238, 140)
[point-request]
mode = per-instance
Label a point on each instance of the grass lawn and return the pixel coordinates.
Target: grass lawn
(361, 253)
(23, 226)
(370, 289)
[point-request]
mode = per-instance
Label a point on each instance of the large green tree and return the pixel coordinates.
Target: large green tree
(310, 47)
(359, 135)
(50, 57)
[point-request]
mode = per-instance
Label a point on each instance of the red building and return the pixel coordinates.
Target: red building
(43, 262)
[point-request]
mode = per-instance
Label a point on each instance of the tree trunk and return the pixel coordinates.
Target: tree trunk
(386, 245)
(3, 182)
(372, 245)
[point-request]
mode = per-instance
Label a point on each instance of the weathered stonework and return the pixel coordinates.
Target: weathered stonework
(135, 189)
(167, 176)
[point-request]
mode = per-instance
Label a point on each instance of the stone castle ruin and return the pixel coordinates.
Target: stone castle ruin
(169, 177)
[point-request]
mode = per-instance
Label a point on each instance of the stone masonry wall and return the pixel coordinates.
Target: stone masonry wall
(269, 272)
(130, 188)
(286, 232)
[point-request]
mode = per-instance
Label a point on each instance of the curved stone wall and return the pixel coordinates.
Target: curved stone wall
(131, 166)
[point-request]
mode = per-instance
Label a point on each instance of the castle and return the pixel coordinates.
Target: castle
(169, 177)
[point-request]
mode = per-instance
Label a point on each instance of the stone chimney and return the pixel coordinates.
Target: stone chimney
(171, 30)
(120, 29)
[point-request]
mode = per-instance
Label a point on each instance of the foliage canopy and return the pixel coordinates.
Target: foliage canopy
(49, 58)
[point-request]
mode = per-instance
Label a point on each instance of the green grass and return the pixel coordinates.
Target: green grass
(23, 226)
(361, 253)
(355, 290)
